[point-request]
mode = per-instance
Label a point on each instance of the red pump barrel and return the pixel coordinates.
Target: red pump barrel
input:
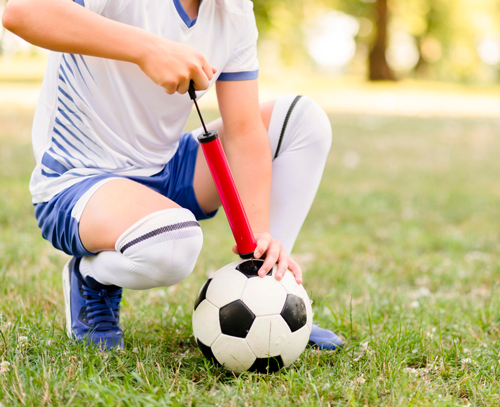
(224, 182)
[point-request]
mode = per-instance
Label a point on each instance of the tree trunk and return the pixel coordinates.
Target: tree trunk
(379, 70)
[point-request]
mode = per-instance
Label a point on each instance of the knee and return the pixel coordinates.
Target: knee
(163, 250)
(299, 123)
(314, 118)
(173, 261)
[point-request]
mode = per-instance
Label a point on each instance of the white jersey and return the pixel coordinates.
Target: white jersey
(97, 115)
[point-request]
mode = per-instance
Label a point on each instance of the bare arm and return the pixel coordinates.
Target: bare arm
(62, 25)
(248, 151)
(247, 148)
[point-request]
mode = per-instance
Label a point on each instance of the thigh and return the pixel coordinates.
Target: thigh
(203, 184)
(115, 207)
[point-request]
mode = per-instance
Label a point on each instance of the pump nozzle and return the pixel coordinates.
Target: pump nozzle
(192, 95)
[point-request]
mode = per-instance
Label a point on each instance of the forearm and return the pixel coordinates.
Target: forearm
(249, 156)
(62, 25)
(247, 147)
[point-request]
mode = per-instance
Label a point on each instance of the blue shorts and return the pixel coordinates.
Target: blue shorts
(175, 182)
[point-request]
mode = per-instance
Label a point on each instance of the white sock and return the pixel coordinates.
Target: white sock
(298, 167)
(159, 250)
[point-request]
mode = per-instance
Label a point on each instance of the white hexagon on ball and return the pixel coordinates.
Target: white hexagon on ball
(234, 353)
(269, 336)
(298, 343)
(226, 286)
(288, 281)
(268, 288)
(206, 326)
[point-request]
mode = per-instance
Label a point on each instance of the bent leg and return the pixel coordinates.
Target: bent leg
(113, 208)
(300, 136)
(143, 239)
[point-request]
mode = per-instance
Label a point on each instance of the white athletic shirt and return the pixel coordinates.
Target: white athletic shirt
(97, 115)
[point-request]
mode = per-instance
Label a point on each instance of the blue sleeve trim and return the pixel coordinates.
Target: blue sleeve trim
(80, 2)
(238, 76)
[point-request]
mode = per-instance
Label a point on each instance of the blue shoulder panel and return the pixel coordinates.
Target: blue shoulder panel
(238, 76)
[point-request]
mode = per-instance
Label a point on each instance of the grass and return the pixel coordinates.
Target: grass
(401, 256)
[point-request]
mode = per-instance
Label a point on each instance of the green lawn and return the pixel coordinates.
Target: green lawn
(401, 256)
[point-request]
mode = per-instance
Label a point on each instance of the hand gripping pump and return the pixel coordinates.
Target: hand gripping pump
(224, 182)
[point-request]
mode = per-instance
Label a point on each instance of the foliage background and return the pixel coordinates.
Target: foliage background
(446, 33)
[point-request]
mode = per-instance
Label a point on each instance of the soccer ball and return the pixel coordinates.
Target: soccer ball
(245, 322)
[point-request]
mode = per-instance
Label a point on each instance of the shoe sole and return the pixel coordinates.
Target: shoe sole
(66, 278)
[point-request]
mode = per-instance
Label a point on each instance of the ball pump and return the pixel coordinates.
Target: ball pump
(224, 182)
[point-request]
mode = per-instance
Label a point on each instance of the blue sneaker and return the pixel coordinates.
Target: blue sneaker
(324, 339)
(92, 309)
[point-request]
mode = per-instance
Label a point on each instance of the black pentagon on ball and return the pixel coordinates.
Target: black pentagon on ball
(267, 365)
(250, 268)
(236, 319)
(207, 352)
(203, 293)
(294, 312)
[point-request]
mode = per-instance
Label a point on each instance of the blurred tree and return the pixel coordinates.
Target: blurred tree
(436, 36)
(378, 67)
(378, 12)
(281, 21)
(446, 34)
(430, 23)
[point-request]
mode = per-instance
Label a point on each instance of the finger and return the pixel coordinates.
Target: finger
(262, 245)
(282, 265)
(214, 70)
(208, 70)
(296, 270)
(201, 81)
(272, 255)
(235, 249)
(183, 86)
(170, 88)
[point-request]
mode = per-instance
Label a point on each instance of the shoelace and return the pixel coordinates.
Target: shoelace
(102, 308)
